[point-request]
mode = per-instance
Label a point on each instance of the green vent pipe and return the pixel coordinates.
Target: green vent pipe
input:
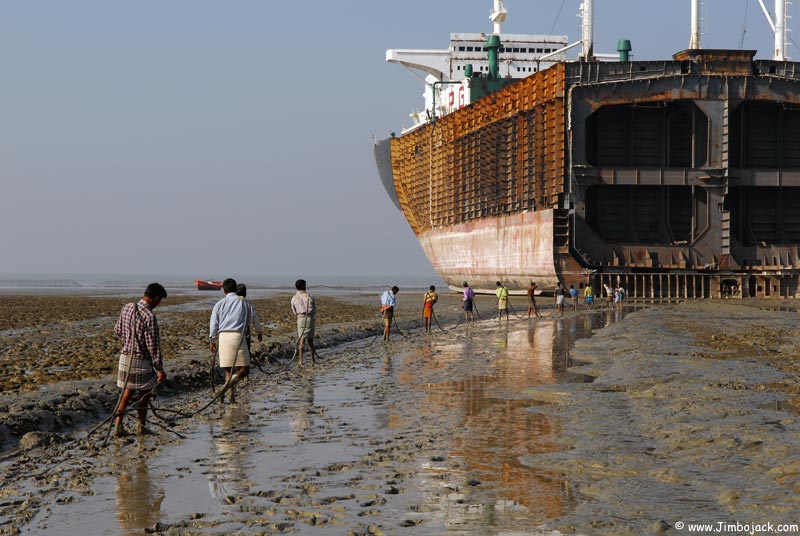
(624, 48)
(493, 46)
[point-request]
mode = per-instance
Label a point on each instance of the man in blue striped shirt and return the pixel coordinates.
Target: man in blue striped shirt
(229, 318)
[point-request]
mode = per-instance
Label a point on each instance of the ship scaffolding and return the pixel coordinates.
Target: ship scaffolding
(673, 178)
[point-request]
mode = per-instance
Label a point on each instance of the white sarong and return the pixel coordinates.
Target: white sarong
(232, 346)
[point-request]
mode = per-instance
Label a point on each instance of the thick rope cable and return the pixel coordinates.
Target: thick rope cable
(398, 327)
(460, 318)
(433, 314)
(513, 310)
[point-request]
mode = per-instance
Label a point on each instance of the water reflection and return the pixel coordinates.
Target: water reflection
(484, 394)
(232, 445)
(300, 419)
(138, 498)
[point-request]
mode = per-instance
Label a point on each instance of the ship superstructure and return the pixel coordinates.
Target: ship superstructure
(674, 178)
(454, 75)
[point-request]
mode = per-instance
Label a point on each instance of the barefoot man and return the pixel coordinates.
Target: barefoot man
(229, 318)
(140, 362)
(305, 311)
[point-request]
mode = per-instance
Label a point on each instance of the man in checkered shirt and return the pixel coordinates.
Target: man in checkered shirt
(140, 362)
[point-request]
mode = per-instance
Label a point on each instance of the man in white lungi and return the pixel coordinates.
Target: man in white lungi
(229, 319)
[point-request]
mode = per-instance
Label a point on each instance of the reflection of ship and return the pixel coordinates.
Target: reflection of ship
(495, 425)
(208, 285)
(675, 177)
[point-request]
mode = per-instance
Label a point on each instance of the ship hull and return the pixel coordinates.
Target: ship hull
(515, 249)
(664, 177)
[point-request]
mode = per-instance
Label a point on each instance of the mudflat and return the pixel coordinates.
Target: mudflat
(51, 338)
(615, 422)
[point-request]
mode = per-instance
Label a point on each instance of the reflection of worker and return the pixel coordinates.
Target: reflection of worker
(140, 363)
(502, 300)
(388, 302)
(228, 322)
(301, 415)
(138, 501)
(229, 476)
(428, 301)
(304, 310)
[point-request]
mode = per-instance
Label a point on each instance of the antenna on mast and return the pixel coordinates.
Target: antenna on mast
(498, 15)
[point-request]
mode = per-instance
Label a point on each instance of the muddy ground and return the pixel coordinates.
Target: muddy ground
(58, 353)
(691, 417)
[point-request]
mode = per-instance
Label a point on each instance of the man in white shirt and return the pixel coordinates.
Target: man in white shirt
(229, 318)
(388, 302)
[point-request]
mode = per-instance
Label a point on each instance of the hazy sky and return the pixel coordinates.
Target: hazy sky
(235, 136)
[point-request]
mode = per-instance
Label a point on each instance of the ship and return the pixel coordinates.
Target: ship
(207, 284)
(676, 178)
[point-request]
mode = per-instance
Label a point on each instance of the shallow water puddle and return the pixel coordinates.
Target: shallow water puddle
(418, 436)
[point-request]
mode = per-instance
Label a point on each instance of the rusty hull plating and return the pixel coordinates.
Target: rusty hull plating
(675, 178)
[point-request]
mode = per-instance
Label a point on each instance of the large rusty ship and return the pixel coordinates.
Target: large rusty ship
(674, 178)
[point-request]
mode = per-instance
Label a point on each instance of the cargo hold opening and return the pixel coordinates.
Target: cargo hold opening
(764, 215)
(651, 215)
(765, 135)
(672, 134)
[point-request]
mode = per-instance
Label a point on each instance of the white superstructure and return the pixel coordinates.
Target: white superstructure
(446, 85)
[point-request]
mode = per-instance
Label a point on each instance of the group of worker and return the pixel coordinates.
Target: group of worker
(140, 365)
(467, 303)
(615, 296)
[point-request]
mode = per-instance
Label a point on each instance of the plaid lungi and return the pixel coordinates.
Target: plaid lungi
(138, 371)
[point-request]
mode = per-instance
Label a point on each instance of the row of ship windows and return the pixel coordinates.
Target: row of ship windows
(519, 69)
(512, 50)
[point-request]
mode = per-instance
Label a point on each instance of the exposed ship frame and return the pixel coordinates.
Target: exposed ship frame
(675, 178)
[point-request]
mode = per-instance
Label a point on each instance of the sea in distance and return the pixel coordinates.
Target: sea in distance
(110, 282)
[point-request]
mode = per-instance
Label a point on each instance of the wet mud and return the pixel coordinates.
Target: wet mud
(58, 356)
(423, 434)
(690, 419)
(665, 414)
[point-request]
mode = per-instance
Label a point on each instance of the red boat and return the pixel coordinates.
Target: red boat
(208, 285)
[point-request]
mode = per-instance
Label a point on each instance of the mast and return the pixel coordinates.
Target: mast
(694, 40)
(587, 30)
(498, 15)
(780, 30)
(778, 26)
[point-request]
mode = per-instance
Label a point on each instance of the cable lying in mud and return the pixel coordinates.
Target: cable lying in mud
(153, 395)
